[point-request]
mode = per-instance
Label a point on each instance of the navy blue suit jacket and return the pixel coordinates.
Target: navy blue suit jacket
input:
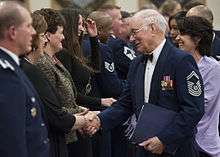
(22, 130)
(189, 104)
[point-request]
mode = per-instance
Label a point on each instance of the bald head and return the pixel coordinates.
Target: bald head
(10, 15)
(201, 11)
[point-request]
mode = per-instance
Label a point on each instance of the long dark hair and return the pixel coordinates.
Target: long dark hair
(198, 28)
(72, 42)
(177, 17)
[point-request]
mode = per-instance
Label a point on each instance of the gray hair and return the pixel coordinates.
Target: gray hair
(151, 16)
(10, 15)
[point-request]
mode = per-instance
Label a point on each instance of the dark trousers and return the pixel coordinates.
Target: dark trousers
(141, 152)
(101, 144)
(202, 154)
(80, 148)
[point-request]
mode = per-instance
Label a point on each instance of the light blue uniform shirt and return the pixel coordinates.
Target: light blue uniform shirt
(207, 136)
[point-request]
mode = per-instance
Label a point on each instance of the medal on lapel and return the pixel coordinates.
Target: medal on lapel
(33, 112)
(167, 83)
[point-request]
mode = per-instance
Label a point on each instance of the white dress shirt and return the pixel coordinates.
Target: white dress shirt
(11, 54)
(150, 70)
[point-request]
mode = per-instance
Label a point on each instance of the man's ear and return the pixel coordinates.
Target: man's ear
(11, 33)
(154, 28)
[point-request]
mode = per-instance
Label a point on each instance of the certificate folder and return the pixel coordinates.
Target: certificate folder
(152, 120)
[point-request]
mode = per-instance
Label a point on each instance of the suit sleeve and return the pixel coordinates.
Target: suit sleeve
(120, 111)
(57, 118)
(95, 58)
(12, 115)
(191, 103)
(108, 81)
(93, 103)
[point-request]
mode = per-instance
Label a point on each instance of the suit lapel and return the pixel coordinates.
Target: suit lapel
(139, 88)
(18, 70)
(158, 72)
(9, 59)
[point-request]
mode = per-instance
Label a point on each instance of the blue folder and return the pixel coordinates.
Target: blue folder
(152, 120)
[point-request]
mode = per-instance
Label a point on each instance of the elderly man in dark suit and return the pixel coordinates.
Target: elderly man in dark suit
(166, 77)
(22, 132)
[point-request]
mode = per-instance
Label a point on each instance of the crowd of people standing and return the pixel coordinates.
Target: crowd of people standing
(73, 83)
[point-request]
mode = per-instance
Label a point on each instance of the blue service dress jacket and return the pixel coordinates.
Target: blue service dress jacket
(122, 55)
(185, 96)
(106, 83)
(22, 131)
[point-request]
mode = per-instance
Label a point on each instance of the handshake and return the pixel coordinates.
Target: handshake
(87, 122)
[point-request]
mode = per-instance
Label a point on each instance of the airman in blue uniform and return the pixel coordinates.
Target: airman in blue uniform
(106, 82)
(122, 55)
(23, 132)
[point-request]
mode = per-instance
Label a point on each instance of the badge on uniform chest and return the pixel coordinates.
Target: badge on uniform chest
(33, 109)
(167, 83)
(33, 112)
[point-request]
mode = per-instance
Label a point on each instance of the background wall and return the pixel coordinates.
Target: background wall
(128, 5)
(214, 5)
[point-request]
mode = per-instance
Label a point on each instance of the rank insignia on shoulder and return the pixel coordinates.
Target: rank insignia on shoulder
(167, 83)
(5, 65)
(129, 53)
(33, 112)
(193, 84)
(110, 66)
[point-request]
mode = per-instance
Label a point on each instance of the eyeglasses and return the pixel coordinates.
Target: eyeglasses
(42, 35)
(135, 31)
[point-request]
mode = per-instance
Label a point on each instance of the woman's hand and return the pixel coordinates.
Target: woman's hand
(91, 27)
(107, 101)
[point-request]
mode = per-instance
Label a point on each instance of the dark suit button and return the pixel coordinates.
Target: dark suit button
(46, 141)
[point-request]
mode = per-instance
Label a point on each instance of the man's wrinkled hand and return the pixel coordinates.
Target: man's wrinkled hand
(154, 145)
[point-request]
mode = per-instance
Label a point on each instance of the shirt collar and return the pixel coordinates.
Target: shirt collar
(156, 52)
(11, 54)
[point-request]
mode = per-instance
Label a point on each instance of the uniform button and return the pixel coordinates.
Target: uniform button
(42, 124)
(33, 112)
(33, 99)
(46, 141)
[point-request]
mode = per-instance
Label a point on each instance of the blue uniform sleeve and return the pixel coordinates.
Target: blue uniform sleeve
(120, 111)
(109, 83)
(189, 88)
(12, 115)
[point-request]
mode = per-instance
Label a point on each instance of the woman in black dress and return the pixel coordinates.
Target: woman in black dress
(59, 121)
(82, 70)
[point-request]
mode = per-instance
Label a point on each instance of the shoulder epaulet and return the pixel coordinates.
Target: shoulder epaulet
(5, 64)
